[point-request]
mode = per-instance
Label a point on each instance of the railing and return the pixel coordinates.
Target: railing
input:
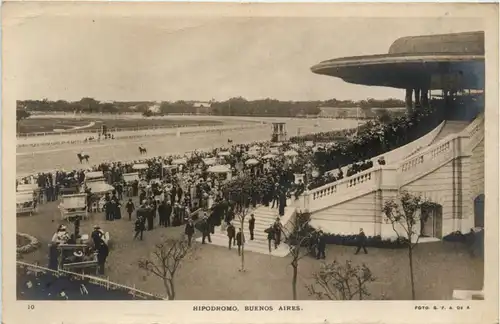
(134, 136)
(91, 131)
(344, 189)
(475, 131)
(393, 176)
(431, 158)
(94, 280)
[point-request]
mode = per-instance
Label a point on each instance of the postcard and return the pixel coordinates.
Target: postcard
(243, 163)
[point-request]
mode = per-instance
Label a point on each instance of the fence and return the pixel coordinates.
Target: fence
(110, 130)
(174, 132)
(94, 280)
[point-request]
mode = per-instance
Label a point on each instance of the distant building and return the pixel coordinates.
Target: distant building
(202, 107)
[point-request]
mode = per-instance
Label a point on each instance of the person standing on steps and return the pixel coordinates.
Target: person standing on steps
(361, 242)
(231, 234)
(251, 226)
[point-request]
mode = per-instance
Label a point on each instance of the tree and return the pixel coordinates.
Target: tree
(405, 215)
(20, 115)
(335, 281)
(300, 240)
(89, 104)
(384, 116)
(147, 113)
(242, 214)
(166, 259)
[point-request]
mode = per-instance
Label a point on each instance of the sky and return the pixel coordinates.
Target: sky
(154, 57)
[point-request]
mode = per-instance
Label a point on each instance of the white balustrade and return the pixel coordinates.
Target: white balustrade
(341, 190)
(432, 158)
(475, 131)
(391, 176)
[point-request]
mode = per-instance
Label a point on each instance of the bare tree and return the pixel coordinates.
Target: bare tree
(164, 262)
(300, 238)
(405, 215)
(336, 281)
(242, 214)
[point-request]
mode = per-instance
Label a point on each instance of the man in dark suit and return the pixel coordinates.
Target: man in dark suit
(189, 230)
(251, 226)
(130, 208)
(162, 213)
(361, 242)
(139, 225)
(168, 213)
(205, 230)
(102, 254)
(270, 235)
(231, 233)
(321, 246)
(240, 240)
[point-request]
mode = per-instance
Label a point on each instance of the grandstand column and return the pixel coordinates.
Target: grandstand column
(409, 100)
(417, 98)
(424, 98)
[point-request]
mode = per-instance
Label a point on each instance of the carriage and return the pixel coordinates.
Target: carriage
(72, 206)
(25, 203)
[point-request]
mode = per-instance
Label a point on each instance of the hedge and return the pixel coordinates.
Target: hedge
(349, 240)
(371, 241)
(458, 237)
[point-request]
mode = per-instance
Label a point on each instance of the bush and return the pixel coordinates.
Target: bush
(347, 240)
(458, 237)
(371, 241)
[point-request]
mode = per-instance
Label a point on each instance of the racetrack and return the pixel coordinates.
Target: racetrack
(58, 157)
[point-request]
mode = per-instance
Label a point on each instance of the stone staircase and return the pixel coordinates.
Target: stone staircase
(450, 127)
(264, 217)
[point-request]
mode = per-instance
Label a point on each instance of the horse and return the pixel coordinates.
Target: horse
(82, 157)
(229, 141)
(142, 150)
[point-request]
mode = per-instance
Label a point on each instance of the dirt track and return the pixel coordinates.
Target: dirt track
(64, 157)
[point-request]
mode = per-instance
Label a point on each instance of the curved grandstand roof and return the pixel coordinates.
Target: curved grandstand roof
(432, 62)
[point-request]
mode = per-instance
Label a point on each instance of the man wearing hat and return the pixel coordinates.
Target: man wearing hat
(189, 230)
(321, 245)
(240, 240)
(102, 254)
(361, 242)
(139, 225)
(149, 217)
(251, 225)
(205, 229)
(231, 234)
(130, 207)
(96, 234)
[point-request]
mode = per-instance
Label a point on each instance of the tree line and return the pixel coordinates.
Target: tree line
(232, 107)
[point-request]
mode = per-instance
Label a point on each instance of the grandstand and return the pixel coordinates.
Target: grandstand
(446, 165)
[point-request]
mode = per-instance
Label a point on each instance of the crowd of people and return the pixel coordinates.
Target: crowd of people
(373, 139)
(173, 189)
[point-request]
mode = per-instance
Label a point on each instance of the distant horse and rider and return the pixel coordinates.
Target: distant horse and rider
(142, 150)
(229, 141)
(83, 156)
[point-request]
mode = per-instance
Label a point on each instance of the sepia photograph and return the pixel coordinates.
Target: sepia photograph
(175, 155)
